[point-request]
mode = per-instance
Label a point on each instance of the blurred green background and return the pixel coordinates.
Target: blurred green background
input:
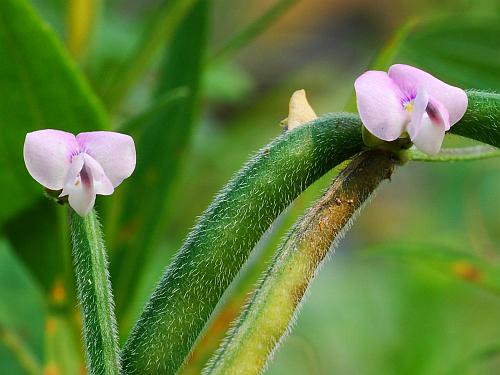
(414, 288)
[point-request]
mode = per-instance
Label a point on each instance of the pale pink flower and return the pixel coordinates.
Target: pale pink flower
(407, 99)
(82, 166)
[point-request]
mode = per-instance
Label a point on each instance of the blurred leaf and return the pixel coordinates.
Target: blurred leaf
(159, 33)
(455, 264)
(46, 249)
(226, 82)
(40, 88)
(386, 56)
(63, 354)
(21, 310)
(20, 351)
(161, 147)
(464, 51)
(252, 31)
(137, 124)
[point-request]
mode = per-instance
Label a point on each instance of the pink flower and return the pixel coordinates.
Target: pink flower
(407, 99)
(82, 166)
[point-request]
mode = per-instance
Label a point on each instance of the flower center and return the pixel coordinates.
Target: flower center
(408, 106)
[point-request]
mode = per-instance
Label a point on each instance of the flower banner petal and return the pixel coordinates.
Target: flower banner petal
(115, 152)
(454, 99)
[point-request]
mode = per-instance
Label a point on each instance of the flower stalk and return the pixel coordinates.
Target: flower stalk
(95, 295)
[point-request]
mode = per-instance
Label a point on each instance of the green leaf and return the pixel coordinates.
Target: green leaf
(464, 51)
(161, 145)
(40, 88)
(252, 31)
(21, 313)
(159, 33)
(387, 55)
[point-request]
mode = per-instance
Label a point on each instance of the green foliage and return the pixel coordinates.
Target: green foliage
(459, 265)
(245, 36)
(21, 314)
(41, 88)
(463, 51)
(159, 32)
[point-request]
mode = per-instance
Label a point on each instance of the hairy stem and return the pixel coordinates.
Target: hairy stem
(95, 295)
(271, 310)
(222, 240)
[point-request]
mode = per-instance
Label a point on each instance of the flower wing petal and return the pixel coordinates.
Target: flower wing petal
(418, 111)
(454, 99)
(47, 155)
(115, 153)
(73, 175)
(102, 184)
(430, 136)
(380, 107)
(81, 195)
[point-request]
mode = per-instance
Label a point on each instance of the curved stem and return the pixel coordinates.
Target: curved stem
(225, 235)
(273, 306)
(94, 294)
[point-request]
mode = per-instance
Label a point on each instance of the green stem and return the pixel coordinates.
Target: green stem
(94, 294)
(456, 154)
(482, 118)
(273, 306)
(252, 31)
